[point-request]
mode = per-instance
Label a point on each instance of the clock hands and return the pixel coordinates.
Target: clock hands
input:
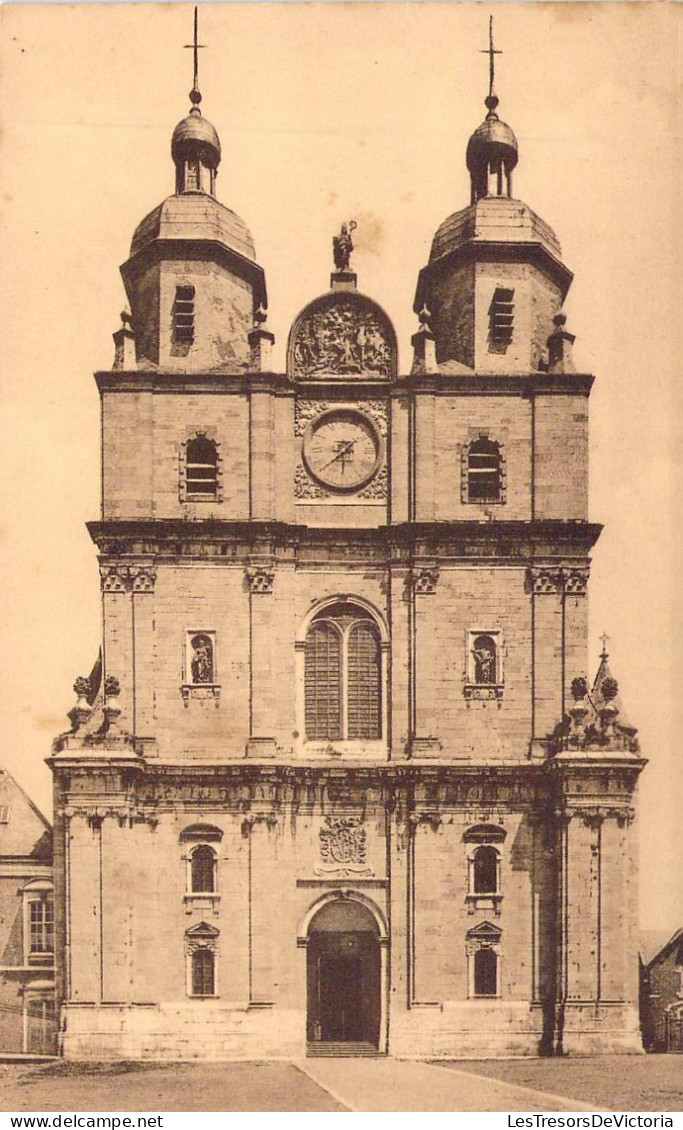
(344, 449)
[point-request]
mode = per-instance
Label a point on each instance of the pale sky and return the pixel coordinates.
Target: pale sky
(326, 113)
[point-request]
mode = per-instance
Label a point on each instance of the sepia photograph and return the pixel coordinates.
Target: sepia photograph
(339, 479)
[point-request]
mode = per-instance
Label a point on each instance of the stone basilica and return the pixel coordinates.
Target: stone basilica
(338, 784)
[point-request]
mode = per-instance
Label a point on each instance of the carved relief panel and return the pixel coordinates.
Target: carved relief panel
(342, 335)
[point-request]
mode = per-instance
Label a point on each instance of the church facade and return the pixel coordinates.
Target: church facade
(340, 785)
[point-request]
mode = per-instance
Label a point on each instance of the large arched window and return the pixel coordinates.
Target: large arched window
(483, 471)
(203, 979)
(201, 468)
(203, 870)
(342, 675)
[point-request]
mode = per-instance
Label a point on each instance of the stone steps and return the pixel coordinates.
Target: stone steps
(343, 1048)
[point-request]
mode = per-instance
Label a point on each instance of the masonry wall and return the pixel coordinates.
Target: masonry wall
(11, 954)
(123, 1000)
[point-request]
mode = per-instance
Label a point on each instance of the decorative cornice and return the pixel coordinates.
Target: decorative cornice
(492, 251)
(520, 541)
(525, 385)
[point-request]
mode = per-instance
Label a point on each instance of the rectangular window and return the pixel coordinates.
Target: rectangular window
(183, 314)
(4, 813)
(41, 926)
(203, 980)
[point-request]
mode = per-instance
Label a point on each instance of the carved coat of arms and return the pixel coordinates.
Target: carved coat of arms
(343, 846)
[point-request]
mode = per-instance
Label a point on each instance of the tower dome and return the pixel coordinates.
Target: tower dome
(492, 153)
(195, 139)
(195, 145)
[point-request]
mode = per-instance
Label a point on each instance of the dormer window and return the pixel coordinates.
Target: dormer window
(183, 315)
(501, 319)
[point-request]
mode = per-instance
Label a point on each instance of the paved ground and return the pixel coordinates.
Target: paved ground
(152, 1088)
(638, 1083)
(398, 1085)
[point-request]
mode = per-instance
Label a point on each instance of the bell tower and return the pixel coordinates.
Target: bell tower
(495, 277)
(192, 279)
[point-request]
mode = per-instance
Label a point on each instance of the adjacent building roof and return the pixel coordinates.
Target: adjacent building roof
(24, 831)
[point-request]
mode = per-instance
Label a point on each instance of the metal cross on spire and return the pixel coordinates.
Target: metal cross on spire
(195, 95)
(604, 637)
(491, 51)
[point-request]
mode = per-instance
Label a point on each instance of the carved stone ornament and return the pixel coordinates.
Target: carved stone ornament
(127, 578)
(342, 335)
(305, 412)
(491, 692)
(260, 579)
(142, 578)
(343, 847)
(546, 581)
(576, 582)
(202, 936)
(425, 581)
(201, 692)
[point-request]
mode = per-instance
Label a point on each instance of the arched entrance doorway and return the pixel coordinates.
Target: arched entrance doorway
(344, 976)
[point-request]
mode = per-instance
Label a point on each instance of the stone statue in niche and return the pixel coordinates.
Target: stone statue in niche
(201, 664)
(342, 337)
(484, 656)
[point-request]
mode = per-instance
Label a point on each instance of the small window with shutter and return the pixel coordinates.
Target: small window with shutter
(501, 319)
(183, 315)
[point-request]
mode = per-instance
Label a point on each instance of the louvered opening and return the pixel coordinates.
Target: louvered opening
(501, 319)
(483, 471)
(183, 314)
(201, 467)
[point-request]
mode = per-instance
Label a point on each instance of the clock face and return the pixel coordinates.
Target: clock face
(342, 449)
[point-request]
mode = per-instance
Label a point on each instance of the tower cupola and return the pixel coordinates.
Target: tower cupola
(495, 280)
(192, 279)
(195, 145)
(492, 150)
(492, 154)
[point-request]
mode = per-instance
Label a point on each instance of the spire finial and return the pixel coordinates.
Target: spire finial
(604, 637)
(195, 93)
(491, 101)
